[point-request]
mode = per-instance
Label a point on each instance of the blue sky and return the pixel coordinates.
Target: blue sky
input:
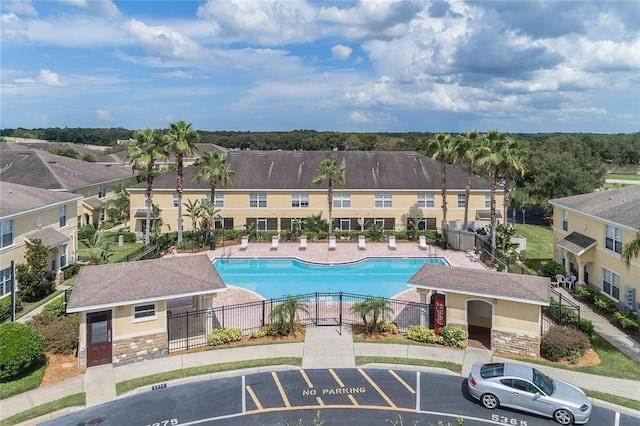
(390, 66)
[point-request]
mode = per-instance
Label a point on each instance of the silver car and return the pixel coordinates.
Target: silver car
(525, 388)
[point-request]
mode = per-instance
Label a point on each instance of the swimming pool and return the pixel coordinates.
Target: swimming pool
(273, 278)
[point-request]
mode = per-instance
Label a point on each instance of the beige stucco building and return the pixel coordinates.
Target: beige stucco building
(589, 232)
(123, 307)
(27, 213)
(272, 188)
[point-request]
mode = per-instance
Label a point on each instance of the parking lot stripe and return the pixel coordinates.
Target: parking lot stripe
(254, 397)
(353, 400)
(335, 376)
(376, 387)
(320, 403)
(405, 384)
(282, 394)
(306, 378)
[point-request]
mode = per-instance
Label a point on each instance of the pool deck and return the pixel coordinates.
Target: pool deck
(346, 251)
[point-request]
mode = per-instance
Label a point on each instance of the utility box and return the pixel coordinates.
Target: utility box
(629, 297)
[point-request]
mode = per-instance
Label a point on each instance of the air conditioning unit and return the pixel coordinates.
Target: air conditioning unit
(629, 297)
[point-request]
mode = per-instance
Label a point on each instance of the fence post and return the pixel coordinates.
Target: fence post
(263, 312)
(317, 307)
(188, 330)
(222, 316)
(340, 316)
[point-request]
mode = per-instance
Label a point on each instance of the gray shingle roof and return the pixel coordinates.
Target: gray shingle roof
(103, 286)
(16, 199)
(93, 203)
(621, 205)
(376, 170)
(577, 243)
(43, 170)
(499, 285)
(50, 237)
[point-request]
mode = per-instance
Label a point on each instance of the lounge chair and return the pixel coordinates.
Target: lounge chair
(392, 242)
(362, 245)
(332, 243)
(423, 242)
(560, 280)
(303, 242)
(274, 242)
(245, 243)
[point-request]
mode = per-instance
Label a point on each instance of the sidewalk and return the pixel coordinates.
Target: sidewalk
(324, 347)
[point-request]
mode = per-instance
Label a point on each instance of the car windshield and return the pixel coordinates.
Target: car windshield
(543, 381)
(492, 370)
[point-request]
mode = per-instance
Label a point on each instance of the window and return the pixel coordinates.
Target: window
(63, 216)
(63, 255)
(341, 200)
(53, 262)
(261, 224)
(6, 233)
(299, 200)
(257, 200)
(613, 238)
(144, 312)
(218, 200)
(102, 191)
(379, 222)
(383, 201)
(611, 283)
(462, 200)
(175, 199)
(487, 201)
(5, 281)
(565, 220)
(425, 201)
(344, 224)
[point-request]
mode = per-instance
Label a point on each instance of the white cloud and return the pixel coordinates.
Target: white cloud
(341, 52)
(179, 75)
(49, 78)
(105, 8)
(104, 115)
(19, 7)
(163, 40)
(358, 117)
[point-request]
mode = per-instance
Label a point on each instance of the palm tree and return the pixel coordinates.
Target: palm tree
(215, 168)
(284, 315)
(372, 311)
(441, 149)
(183, 142)
(328, 170)
(465, 152)
(631, 250)
(145, 149)
(492, 157)
(512, 161)
(193, 212)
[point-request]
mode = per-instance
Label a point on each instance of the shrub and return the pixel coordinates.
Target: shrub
(586, 326)
(60, 333)
(387, 327)
(258, 334)
(20, 346)
(605, 303)
(627, 320)
(220, 336)
(5, 307)
(107, 225)
(71, 270)
(86, 232)
(560, 342)
(586, 293)
(551, 269)
(420, 333)
(55, 307)
(455, 337)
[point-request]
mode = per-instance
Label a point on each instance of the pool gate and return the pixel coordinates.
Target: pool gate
(188, 330)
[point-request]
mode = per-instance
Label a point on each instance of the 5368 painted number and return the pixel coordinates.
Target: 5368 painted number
(172, 422)
(508, 421)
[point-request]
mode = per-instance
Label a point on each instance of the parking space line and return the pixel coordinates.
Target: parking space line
(254, 397)
(335, 376)
(405, 384)
(320, 403)
(306, 378)
(281, 390)
(353, 400)
(376, 387)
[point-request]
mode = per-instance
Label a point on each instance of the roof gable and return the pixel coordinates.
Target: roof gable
(17, 198)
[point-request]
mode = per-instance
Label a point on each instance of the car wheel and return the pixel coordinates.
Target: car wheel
(563, 417)
(489, 401)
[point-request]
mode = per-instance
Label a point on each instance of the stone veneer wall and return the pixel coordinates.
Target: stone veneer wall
(514, 343)
(140, 347)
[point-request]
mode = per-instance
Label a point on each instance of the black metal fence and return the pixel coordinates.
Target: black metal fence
(189, 330)
(561, 311)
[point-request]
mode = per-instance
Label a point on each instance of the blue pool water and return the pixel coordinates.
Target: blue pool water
(273, 278)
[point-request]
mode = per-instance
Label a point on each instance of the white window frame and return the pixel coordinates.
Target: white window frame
(299, 201)
(341, 200)
(426, 201)
(63, 255)
(218, 200)
(611, 280)
(257, 200)
(378, 222)
(63, 216)
(565, 220)
(487, 201)
(262, 224)
(102, 191)
(141, 312)
(54, 261)
(462, 200)
(175, 199)
(346, 222)
(383, 201)
(6, 230)
(613, 239)
(5, 281)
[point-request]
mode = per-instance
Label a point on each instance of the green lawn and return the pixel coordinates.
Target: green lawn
(539, 244)
(621, 176)
(119, 252)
